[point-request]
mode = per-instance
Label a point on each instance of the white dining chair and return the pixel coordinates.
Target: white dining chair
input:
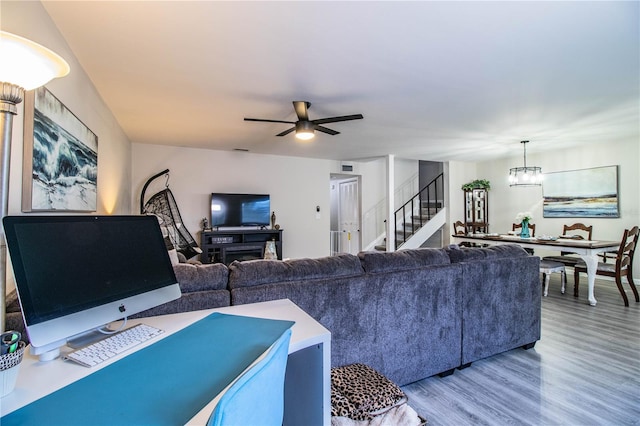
(547, 267)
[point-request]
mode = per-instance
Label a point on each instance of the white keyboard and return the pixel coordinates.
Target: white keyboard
(107, 348)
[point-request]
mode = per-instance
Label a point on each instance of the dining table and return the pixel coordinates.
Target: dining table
(587, 249)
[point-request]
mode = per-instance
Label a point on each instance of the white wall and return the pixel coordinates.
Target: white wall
(374, 193)
(457, 173)
(406, 180)
(505, 202)
(374, 178)
(296, 186)
(76, 92)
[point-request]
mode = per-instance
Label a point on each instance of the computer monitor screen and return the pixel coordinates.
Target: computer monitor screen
(78, 273)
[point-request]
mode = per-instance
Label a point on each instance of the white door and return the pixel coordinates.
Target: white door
(349, 216)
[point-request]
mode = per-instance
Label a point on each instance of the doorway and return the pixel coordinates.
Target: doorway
(345, 214)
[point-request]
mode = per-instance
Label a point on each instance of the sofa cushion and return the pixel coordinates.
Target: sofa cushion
(465, 254)
(12, 303)
(375, 261)
(190, 301)
(256, 272)
(201, 277)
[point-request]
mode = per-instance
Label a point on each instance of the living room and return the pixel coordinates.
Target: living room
(297, 184)
(125, 164)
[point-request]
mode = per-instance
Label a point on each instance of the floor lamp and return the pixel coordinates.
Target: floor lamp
(24, 65)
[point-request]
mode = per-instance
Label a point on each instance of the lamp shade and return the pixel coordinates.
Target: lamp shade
(27, 64)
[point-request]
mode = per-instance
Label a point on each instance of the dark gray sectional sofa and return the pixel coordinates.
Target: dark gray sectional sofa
(409, 314)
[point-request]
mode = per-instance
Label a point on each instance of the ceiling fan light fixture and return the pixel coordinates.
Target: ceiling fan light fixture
(304, 130)
(525, 176)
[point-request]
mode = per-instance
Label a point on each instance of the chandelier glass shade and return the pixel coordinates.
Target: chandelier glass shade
(526, 175)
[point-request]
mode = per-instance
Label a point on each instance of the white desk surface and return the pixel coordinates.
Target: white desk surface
(37, 379)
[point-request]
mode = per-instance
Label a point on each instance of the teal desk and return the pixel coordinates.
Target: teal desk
(110, 393)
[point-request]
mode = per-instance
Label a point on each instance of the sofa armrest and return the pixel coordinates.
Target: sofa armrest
(194, 278)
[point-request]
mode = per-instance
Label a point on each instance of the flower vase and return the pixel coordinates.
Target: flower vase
(524, 233)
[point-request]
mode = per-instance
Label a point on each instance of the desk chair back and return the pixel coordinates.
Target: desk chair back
(622, 267)
(256, 397)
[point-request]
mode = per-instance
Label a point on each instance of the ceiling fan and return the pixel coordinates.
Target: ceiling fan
(304, 127)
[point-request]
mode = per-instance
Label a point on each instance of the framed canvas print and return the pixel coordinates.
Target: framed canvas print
(60, 161)
(581, 193)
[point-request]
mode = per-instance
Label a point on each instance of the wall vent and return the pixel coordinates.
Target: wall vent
(347, 167)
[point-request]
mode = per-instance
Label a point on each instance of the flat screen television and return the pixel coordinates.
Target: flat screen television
(76, 274)
(235, 210)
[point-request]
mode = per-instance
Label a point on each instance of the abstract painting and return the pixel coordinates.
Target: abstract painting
(581, 193)
(60, 163)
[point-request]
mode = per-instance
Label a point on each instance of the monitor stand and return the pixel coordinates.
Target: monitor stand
(49, 355)
(48, 352)
(52, 351)
(86, 339)
(92, 336)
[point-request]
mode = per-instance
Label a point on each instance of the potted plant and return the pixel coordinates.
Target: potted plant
(477, 184)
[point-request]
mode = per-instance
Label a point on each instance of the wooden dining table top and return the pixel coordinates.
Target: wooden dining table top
(547, 241)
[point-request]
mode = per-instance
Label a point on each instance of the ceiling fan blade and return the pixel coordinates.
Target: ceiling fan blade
(301, 110)
(269, 121)
(336, 119)
(326, 130)
(286, 132)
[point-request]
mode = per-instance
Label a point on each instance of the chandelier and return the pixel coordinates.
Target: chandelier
(527, 175)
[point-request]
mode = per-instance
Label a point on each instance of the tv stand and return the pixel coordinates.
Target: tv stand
(225, 246)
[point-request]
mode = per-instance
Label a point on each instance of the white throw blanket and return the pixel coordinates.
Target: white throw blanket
(402, 415)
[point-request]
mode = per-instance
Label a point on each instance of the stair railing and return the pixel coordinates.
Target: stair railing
(426, 203)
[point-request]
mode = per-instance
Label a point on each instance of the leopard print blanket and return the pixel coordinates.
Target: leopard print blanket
(360, 393)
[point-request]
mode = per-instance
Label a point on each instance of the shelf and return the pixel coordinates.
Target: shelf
(225, 246)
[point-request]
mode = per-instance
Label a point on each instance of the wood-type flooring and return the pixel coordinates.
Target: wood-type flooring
(585, 370)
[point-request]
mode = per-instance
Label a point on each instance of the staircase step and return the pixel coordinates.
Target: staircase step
(400, 235)
(411, 227)
(432, 204)
(416, 219)
(432, 212)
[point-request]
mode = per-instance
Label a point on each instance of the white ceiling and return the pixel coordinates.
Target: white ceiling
(434, 80)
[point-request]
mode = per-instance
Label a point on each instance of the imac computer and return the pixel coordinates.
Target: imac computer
(76, 274)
